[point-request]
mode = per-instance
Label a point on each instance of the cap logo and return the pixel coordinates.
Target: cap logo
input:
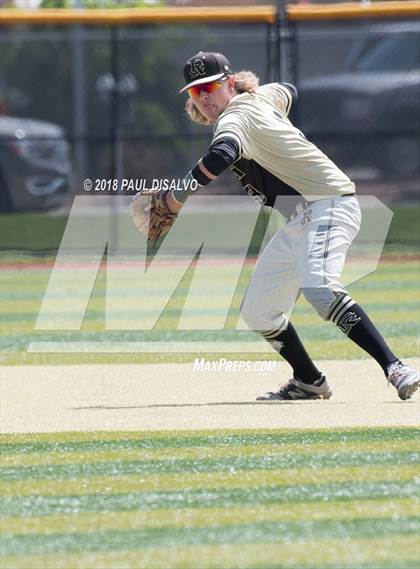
(197, 68)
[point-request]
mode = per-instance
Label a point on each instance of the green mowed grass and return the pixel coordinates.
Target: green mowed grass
(390, 296)
(216, 499)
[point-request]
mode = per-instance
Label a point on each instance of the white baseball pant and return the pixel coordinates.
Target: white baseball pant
(307, 255)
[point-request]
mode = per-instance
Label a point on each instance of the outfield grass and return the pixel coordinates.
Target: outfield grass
(41, 232)
(313, 499)
(390, 296)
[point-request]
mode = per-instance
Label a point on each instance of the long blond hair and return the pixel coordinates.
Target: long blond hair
(245, 82)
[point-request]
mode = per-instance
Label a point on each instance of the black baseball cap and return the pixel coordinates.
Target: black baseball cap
(204, 67)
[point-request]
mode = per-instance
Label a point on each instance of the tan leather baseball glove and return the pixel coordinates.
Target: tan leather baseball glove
(151, 214)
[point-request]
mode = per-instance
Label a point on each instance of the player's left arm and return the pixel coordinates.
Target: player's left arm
(155, 214)
(221, 154)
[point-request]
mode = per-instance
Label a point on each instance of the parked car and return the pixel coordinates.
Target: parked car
(369, 114)
(34, 164)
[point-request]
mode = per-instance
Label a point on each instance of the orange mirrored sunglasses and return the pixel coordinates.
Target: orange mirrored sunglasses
(206, 87)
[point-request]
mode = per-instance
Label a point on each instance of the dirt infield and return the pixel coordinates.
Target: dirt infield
(175, 396)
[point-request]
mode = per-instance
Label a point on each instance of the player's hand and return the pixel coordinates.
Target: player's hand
(151, 214)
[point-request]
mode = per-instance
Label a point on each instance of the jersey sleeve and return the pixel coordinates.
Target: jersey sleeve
(279, 95)
(232, 125)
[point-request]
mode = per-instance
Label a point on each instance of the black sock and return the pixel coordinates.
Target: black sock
(357, 325)
(293, 351)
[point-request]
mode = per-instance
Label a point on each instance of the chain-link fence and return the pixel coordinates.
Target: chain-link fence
(101, 101)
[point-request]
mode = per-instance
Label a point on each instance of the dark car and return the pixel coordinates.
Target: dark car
(368, 116)
(34, 164)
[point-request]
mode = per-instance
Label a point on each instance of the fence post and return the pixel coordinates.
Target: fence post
(279, 26)
(268, 40)
(79, 98)
(293, 63)
(117, 167)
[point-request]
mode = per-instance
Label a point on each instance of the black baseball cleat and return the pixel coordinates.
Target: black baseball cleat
(296, 389)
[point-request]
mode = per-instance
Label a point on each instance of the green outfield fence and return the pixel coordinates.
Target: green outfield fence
(110, 79)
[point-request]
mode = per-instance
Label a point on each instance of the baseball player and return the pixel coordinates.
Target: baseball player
(253, 136)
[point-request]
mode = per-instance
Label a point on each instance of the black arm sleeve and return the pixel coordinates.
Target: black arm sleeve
(221, 154)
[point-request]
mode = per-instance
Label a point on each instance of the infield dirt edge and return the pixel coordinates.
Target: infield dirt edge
(166, 397)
